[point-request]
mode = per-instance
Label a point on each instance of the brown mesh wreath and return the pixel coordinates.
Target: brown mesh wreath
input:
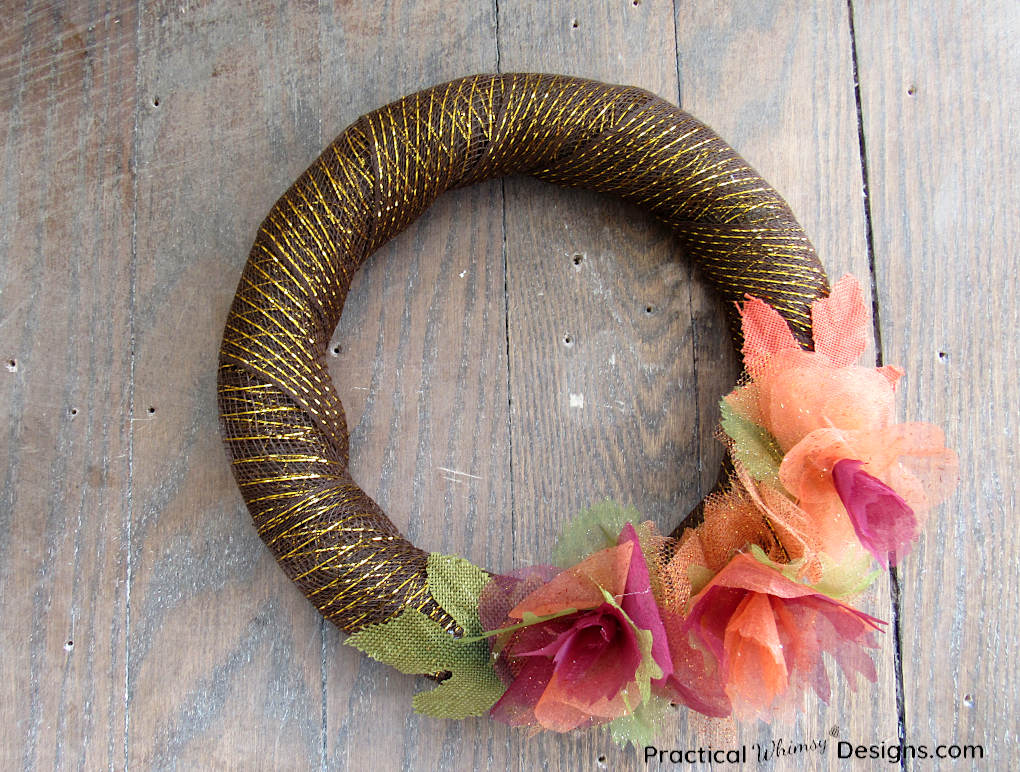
(282, 420)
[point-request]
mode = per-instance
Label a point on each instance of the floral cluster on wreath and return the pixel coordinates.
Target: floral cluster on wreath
(733, 617)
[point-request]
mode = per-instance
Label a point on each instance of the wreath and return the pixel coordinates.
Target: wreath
(732, 613)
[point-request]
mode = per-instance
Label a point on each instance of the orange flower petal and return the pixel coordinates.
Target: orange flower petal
(557, 708)
(756, 667)
(554, 714)
(578, 587)
(910, 458)
(891, 373)
(801, 392)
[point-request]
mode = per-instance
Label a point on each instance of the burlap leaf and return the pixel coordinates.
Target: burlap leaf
(456, 584)
(473, 688)
(753, 446)
(413, 643)
(593, 529)
(410, 642)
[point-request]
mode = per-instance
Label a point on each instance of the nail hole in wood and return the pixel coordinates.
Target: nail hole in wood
(12, 365)
(568, 341)
(573, 23)
(968, 700)
(155, 101)
(911, 90)
(578, 258)
(69, 645)
(943, 355)
(336, 350)
(151, 410)
(649, 309)
(73, 411)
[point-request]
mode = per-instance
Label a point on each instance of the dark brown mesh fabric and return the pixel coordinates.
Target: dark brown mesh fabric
(282, 420)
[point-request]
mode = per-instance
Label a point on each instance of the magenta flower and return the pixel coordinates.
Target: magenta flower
(883, 521)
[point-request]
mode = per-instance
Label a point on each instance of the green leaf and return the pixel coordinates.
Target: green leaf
(471, 691)
(841, 581)
(414, 643)
(789, 570)
(410, 642)
(699, 577)
(594, 529)
(639, 728)
(456, 584)
(753, 446)
(849, 578)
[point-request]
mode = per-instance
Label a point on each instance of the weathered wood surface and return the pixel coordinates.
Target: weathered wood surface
(939, 100)
(518, 353)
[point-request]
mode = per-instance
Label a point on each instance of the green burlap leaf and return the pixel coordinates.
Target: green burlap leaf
(753, 446)
(472, 690)
(594, 529)
(410, 642)
(456, 584)
(415, 644)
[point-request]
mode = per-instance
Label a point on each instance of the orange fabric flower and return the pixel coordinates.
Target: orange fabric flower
(826, 413)
(765, 635)
(582, 667)
(910, 459)
(793, 392)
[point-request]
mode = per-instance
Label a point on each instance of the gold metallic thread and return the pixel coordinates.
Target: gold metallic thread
(282, 421)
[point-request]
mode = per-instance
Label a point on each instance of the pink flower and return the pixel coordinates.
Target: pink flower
(585, 666)
(765, 635)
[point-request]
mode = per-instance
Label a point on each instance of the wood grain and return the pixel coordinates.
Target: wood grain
(938, 93)
(65, 262)
(140, 154)
(225, 655)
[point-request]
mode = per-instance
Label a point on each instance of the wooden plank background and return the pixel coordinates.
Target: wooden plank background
(518, 353)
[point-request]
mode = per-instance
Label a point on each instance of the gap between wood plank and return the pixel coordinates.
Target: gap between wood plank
(506, 326)
(894, 579)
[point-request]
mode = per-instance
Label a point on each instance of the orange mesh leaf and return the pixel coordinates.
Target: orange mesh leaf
(765, 333)
(839, 323)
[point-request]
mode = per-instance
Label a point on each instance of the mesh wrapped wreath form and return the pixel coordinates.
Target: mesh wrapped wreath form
(282, 420)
